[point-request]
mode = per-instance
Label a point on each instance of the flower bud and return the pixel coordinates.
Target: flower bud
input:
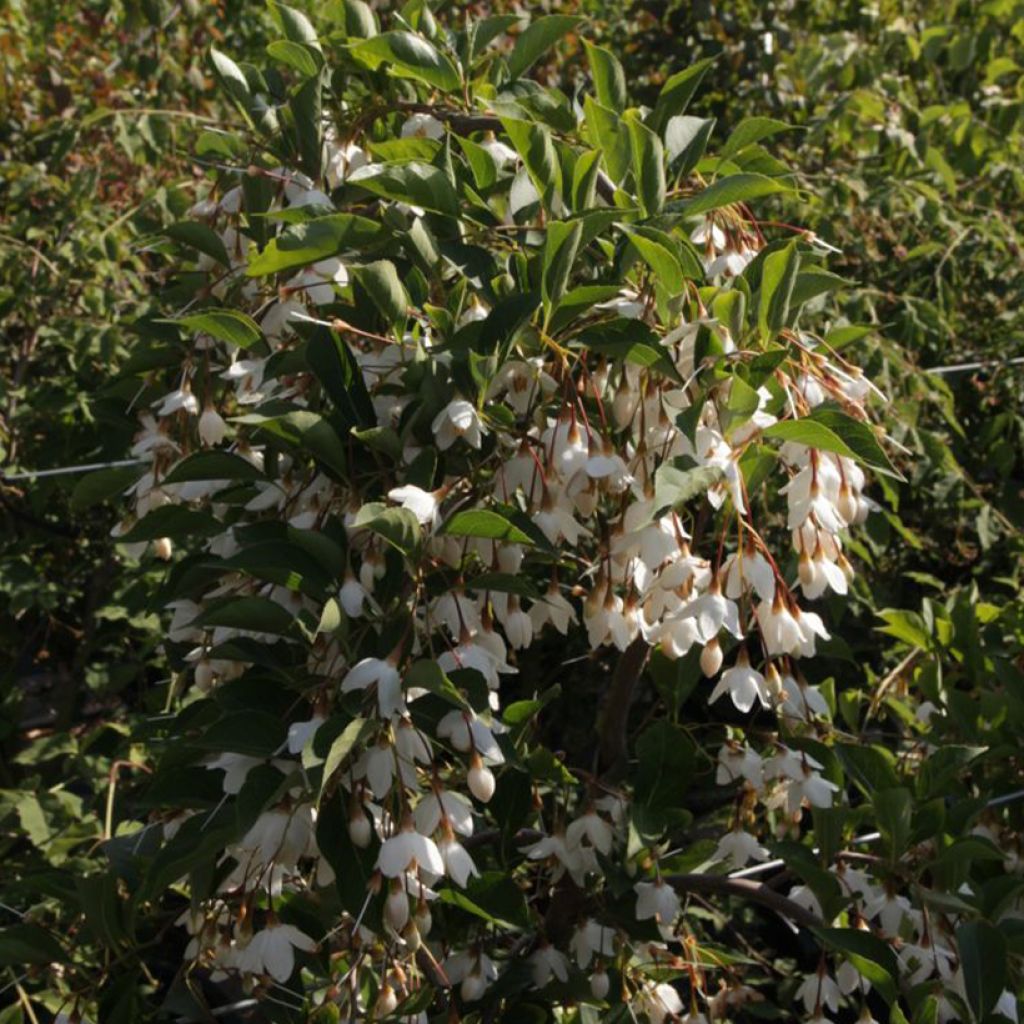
(204, 675)
(411, 937)
(163, 548)
(473, 987)
(387, 1001)
(480, 779)
(711, 658)
(359, 828)
(396, 906)
(423, 919)
(599, 983)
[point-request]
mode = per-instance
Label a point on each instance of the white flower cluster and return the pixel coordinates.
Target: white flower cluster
(568, 451)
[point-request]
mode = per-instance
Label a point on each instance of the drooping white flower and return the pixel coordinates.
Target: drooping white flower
(744, 685)
(181, 398)
(300, 733)
(592, 827)
(592, 938)
(547, 963)
(272, 951)
(444, 804)
(212, 428)
(819, 990)
(384, 675)
(458, 864)
(659, 1002)
(657, 900)
(458, 419)
(422, 504)
(422, 126)
(407, 849)
(740, 847)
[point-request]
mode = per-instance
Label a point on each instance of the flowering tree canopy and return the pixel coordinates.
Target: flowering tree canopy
(506, 463)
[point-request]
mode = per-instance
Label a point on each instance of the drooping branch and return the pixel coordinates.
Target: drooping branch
(743, 888)
(614, 750)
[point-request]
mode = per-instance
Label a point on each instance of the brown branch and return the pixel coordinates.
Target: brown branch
(743, 888)
(614, 752)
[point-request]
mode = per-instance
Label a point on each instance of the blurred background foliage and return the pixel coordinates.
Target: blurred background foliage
(909, 139)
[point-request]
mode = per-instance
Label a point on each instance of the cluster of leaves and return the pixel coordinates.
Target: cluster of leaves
(908, 167)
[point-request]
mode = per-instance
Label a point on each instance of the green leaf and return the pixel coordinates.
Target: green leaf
(398, 526)
(384, 287)
(104, 484)
(810, 433)
(294, 24)
(304, 60)
(533, 143)
(307, 430)
(686, 139)
(355, 18)
(813, 282)
(230, 325)
(415, 183)
(494, 897)
(666, 758)
(481, 163)
(608, 135)
(538, 37)
(172, 521)
(335, 367)
(677, 92)
(906, 626)
(737, 188)
(25, 944)
(871, 767)
(428, 675)
(411, 56)
(259, 614)
(894, 810)
(749, 131)
(483, 522)
(648, 167)
(629, 340)
(560, 246)
(301, 244)
(873, 958)
(230, 76)
(660, 258)
(215, 465)
(857, 436)
(284, 563)
(200, 237)
(983, 961)
(341, 748)
(504, 583)
(673, 487)
(609, 78)
(777, 280)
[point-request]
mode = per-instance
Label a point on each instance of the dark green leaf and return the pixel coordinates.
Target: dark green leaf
(301, 244)
(677, 92)
(983, 961)
(483, 522)
(737, 188)
(214, 465)
(411, 56)
(538, 37)
(415, 183)
(609, 78)
(230, 325)
(777, 281)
